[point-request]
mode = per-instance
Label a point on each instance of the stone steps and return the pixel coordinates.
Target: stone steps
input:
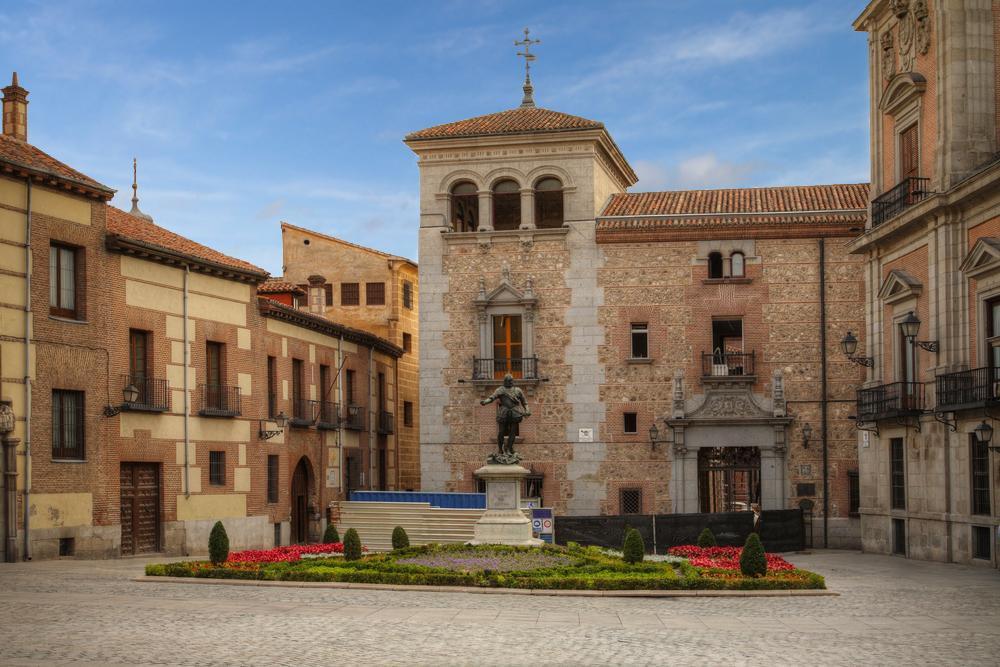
(424, 524)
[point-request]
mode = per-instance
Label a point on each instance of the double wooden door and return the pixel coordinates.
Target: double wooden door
(140, 508)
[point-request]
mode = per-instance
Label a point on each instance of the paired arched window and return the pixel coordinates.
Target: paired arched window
(548, 203)
(715, 265)
(737, 264)
(506, 205)
(464, 207)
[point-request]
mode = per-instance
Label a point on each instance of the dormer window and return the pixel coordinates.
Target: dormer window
(548, 203)
(737, 265)
(506, 205)
(464, 207)
(715, 265)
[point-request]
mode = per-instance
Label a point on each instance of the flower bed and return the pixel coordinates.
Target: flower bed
(546, 567)
(725, 558)
(287, 554)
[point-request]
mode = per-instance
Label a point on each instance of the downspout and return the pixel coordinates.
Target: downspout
(187, 398)
(398, 410)
(344, 410)
(372, 423)
(28, 315)
(823, 392)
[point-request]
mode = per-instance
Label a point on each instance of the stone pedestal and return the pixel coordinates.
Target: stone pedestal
(504, 522)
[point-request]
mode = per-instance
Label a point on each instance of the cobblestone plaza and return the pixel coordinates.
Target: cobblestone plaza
(889, 611)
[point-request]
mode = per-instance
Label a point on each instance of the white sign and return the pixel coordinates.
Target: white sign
(865, 435)
(586, 435)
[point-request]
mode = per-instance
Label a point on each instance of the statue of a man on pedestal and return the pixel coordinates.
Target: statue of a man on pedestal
(512, 409)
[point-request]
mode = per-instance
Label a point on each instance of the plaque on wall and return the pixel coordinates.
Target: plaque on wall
(501, 495)
(586, 435)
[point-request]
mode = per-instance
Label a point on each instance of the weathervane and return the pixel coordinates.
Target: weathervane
(527, 43)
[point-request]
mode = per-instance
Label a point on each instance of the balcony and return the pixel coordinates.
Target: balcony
(891, 203)
(153, 394)
(896, 399)
(976, 388)
(303, 412)
(385, 423)
(488, 370)
(728, 367)
(219, 400)
(355, 418)
(329, 416)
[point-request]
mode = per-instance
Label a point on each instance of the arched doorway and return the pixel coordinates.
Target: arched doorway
(302, 491)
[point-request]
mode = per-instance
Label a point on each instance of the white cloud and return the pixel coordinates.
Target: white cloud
(704, 170)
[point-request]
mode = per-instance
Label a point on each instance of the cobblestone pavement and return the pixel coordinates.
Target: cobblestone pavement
(890, 611)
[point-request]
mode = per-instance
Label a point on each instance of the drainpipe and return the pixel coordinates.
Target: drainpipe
(187, 398)
(823, 392)
(345, 409)
(27, 378)
(372, 423)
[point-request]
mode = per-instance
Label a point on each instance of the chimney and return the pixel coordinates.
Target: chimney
(15, 110)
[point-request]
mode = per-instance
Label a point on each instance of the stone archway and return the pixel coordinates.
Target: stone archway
(303, 488)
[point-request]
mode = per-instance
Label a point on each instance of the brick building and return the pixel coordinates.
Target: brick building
(156, 375)
(709, 315)
(929, 485)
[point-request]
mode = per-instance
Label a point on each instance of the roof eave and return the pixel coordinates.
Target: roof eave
(150, 251)
(99, 191)
(277, 310)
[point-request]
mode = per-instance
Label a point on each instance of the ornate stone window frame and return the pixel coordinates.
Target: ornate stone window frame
(899, 286)
(506, 299)
(903, 100)
(983, 265)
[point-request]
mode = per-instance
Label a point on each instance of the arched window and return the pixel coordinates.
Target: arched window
(715, 265)
(737, 264)
(506, 205)
(464, 208)
(548, 203)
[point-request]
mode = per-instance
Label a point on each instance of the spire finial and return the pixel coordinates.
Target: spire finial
(528, 100)
(135, 194)
(13, 80)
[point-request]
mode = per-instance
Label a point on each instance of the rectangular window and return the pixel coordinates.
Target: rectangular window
(640, 341)
(630, 422)
(907, 357)
(64, 277)
(298, 407)
(407, 413)
(277, 534)
(272, 387)
(375, 294)
(407, 294)
(407, 342)
(909, 153)
(631, 501)
(215, 395)
(979, 457)
(380, 391)
(853, 493)
(899, 537)
(350, 294)
(349, 386)
(217, 468)
(328, 291)
(981, 543)
(325, 388)
(508, 345)
(272, 478)
(138, 355)
(897, 473)
(67, 424)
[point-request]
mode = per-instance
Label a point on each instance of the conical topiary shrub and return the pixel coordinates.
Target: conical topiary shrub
(218, 544)
(753, 562)
(330, 535)
(706, 538)
(352, 545)
(633, 548)
(400, 540)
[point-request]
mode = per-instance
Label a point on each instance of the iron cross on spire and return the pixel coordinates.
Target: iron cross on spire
(527, 43)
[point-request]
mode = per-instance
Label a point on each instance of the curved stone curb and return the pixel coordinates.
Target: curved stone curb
(492, 591)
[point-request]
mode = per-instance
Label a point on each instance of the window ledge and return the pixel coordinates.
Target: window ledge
(732, 281)
(68, 320)
(55, 460)
(639, 360)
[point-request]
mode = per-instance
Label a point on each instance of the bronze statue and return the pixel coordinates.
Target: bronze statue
(512, 409)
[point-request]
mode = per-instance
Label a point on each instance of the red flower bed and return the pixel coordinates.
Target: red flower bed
(289, 554)
(724, 558)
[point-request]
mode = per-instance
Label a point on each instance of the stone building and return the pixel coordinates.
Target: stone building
(708, 315)
(932, 274)
(372, 291)
(151, 381)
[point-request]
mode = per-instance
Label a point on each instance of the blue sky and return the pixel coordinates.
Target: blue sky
(243, 114)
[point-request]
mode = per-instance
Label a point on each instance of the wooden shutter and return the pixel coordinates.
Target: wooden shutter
(909, 153)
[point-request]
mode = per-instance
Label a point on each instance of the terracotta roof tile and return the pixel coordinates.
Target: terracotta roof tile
(780, 200)
(513, 121)
(23, 154)
(279, 286)
(144, 231)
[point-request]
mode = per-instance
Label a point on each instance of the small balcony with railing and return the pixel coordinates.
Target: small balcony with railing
(145, 394)
(354, 418)
(906, 193)
(723, 367)
(963, 390)
(487, 371)
(329, 416)
(219, 400)
(895, 400)
(386, 423)
(303, 412)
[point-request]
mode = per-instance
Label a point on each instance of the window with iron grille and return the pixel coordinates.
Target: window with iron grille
(350, 294)
(631, 501)
(630, 422)
(328, 292)
(981, 542)
(407, 413)
(407, 294)
(375, 294)
(853, 493)
(897, 473)
(65, 280)
(407, 342)
(67, 424)
(272, 478)
(980, 461)
(217, 468)
(640, 341)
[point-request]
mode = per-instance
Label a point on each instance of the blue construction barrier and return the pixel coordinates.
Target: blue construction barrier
(474, 501)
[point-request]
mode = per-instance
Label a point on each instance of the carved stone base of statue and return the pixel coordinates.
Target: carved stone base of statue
(503, 522)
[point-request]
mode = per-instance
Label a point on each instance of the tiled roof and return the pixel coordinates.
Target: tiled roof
(271, 308)
(278, 286)
(779, 200)
(128, 226)
(22, 154)
(513, 121)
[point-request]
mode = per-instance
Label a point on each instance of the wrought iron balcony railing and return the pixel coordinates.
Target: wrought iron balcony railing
(727, 364)
(385, 423)
(329, 415)
(153, 393)
(219, 400)
(525, 368)
(905, 194)
(303, 412)
(896, 399)
(975, 388)
(354, 419)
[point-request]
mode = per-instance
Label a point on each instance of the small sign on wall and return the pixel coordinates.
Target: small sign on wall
(865, 438)
(586, 435)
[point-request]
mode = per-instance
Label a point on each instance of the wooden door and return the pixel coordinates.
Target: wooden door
(213, 375)
(138, 362)
(909, 153)
(140, 508)
(300, 503)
